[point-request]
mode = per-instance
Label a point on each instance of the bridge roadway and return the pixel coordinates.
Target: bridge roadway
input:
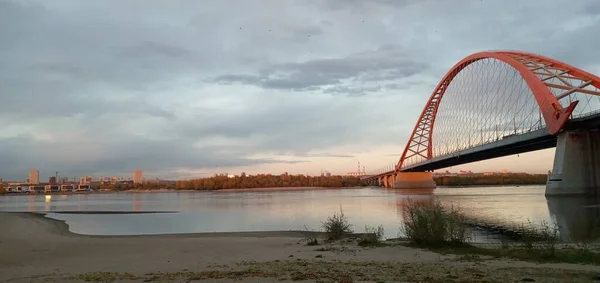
(520, 143)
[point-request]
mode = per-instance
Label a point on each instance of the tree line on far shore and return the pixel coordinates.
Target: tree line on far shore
(220, 182)
(490, 180)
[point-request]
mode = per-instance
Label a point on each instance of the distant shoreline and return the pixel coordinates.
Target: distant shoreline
(281, 189)
(285, 189)
(185, 190)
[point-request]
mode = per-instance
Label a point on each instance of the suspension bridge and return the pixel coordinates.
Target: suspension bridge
(500, 103)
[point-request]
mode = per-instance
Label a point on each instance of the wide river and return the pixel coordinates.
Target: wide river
(270, 210)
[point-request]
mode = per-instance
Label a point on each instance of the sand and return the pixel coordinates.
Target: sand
(37, 249)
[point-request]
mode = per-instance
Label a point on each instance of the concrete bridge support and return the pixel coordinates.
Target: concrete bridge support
(576, 168)
(414, 180)
(389, 181)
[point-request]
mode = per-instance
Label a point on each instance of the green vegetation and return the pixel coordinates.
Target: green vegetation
(219, 182)
(337, 225)
(445, 231)
(310, 237)
(432, 226)
(489, 180)
(543, 244)
(373, 237)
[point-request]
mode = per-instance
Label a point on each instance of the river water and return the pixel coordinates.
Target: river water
(270, 210)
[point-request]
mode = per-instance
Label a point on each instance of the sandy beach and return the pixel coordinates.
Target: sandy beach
(34, 248)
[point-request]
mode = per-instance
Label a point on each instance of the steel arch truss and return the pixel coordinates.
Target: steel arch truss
(555, 89)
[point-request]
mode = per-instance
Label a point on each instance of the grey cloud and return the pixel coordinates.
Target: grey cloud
(62, 99)
(385, 63)
(87, 52)
(151, 49)
(113, 156)
(303, 33)
(352, 92)
(319, 155)
(296, 129)
(592, 8)
(361, 5)
(160, 85)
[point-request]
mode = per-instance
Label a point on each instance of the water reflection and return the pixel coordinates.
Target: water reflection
(291, 210)
(414, 192)
(137, 202)
(47, 200)
(577, 217)
(417, 196)
(32, 207)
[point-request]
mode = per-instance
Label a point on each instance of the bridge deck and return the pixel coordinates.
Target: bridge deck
(521, 143)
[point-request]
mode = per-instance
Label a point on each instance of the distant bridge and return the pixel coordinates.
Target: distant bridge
(503, 103)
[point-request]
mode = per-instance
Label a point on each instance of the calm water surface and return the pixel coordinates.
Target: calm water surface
(191, 212)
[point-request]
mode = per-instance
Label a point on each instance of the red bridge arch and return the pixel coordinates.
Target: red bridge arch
(532, 68)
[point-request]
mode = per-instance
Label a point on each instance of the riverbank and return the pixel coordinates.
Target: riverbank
(271, 189)
(284, 189)
(499, 179)
(37, 249)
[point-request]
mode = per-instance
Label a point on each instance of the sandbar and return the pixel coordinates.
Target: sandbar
(34, 248)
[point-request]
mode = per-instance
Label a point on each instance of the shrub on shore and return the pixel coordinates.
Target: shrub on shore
(372, 237)
(310, 237)
(543, 239)
(433, 225)
(535, 243)
(336, 226)
(446, 230)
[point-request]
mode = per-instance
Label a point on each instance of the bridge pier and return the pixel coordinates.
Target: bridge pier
(576, 169)
(389, 181)
(414, 180)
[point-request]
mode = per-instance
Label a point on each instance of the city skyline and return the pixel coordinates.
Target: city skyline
(311, 85)
(33, 177)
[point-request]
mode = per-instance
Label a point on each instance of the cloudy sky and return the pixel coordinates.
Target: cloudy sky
(181, 89)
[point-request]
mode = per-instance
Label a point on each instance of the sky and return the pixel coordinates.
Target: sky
(186, 89)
